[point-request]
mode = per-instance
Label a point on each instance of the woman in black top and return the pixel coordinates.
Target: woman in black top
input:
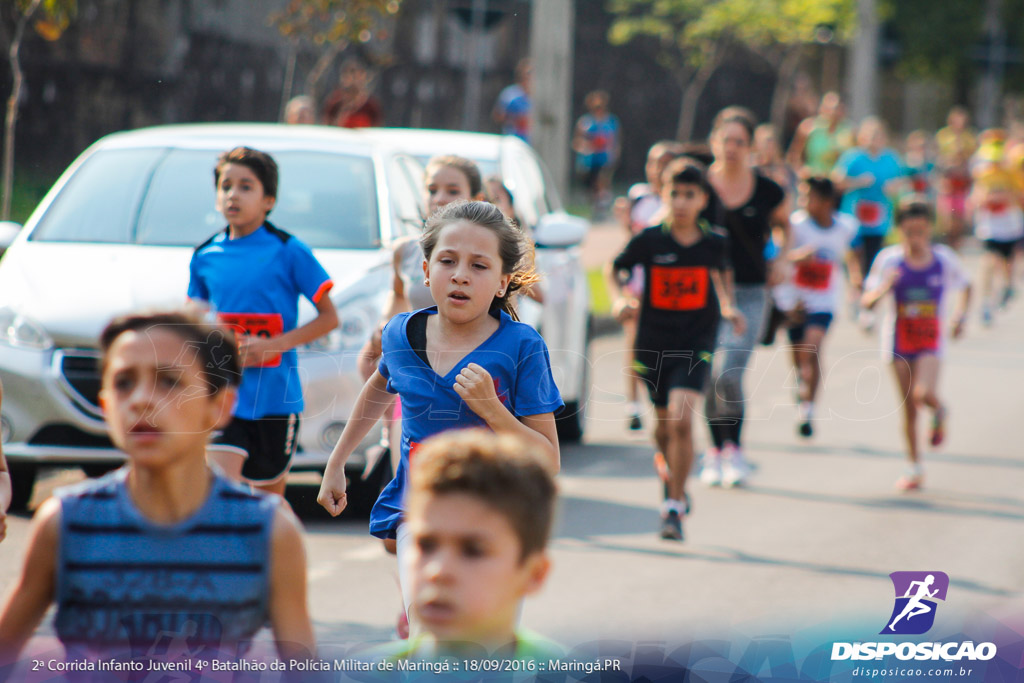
(748, 206)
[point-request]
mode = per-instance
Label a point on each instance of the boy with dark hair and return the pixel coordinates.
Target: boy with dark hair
(479, 509)
(163, 545)
(820, 239)
(687, 290)
(251, 275)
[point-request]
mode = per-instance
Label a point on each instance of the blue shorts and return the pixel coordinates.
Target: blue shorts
(822, 320)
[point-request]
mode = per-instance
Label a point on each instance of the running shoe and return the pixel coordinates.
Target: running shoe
(635, 424)
(734, 466)
(938, 427)
(866, 320)
(986, 316)
(805, 410)
(1008, 295)
(911, 481)
(711, 472)
(672, 526)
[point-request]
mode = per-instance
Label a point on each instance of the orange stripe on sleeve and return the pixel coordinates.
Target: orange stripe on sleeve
(324, 288)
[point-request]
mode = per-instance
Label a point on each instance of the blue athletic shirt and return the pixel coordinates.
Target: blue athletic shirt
(253, 284)
(870, 205)
(515, 356)
(125, 583)
(602, 135)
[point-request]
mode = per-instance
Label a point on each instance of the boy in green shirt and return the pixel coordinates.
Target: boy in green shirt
(479, 513)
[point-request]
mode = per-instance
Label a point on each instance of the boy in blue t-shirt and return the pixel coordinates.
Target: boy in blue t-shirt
(251, 275)
(596, 142)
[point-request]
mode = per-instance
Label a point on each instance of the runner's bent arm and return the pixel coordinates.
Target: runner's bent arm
(723, 284)
(33, 591)
(779, 220)
(476, 387)
(289, 609)
(325, 321)
(853, 274)
(373, 400)
(795, 153)
(960, 317)
(5, 495)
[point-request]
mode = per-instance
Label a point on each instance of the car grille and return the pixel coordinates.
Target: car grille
(80, 371)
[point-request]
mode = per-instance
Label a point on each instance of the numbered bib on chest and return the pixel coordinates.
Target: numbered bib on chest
(869, 213)
(815, 275)
(263, 325)
(916, 335)
(679, 289)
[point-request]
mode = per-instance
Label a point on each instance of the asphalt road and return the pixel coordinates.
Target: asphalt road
(810, 540)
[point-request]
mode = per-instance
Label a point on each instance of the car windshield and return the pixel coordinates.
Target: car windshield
(488, 167)
(165, 197)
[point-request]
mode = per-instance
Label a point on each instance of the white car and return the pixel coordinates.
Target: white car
(564, 318)
(116, 233)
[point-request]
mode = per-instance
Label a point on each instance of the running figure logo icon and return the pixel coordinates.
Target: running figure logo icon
(916, 593)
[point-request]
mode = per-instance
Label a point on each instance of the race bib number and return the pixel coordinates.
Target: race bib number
(679, 289)
(265, 325)
(816, 275)
(914, 335)
(413, 447)
(868, 213)
(997, 207)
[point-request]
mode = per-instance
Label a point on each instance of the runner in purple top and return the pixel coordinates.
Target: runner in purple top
(919, 275)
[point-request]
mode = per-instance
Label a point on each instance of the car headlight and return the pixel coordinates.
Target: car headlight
(18, 330)
(356, 321)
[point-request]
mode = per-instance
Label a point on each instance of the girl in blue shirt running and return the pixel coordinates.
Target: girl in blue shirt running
(465, 362)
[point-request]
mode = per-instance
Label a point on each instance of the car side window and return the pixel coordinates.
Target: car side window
(405, 182)
(522, 167)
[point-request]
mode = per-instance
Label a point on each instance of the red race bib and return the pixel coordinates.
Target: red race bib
(868, 213)
(816, 275)
(679, 289)
(265, 325)
(915, 335)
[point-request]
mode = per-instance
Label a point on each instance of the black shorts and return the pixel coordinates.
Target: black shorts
(870, 245)
(1001, 248)
(667, 370)
(267, 443)
(796, 332)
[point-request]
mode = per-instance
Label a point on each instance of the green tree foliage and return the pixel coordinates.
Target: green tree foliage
(49, 19)
(329, 26)
(693, 36)
(935, 38)
(333, 21)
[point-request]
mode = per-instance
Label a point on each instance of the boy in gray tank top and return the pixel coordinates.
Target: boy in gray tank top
(163, 547)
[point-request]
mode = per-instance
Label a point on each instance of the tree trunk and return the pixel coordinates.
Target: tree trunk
(289, 81)
(329, 55)
(692, 92)
(12, 110)
(783, 87)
